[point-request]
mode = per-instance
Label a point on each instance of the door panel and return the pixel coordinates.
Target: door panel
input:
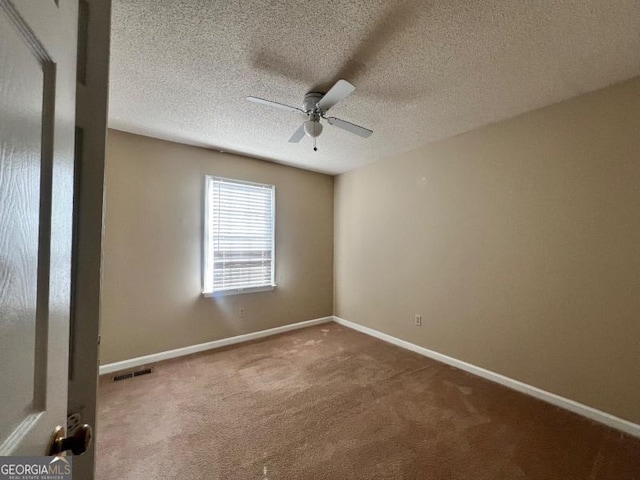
(37, 105)
(21, 133)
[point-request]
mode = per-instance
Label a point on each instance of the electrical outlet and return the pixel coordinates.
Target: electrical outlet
(241, 312)
(418, 320)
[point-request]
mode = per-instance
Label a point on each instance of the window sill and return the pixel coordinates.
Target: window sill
(238, 291)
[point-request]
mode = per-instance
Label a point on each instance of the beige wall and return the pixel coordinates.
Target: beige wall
(518, 243)
(153, 241)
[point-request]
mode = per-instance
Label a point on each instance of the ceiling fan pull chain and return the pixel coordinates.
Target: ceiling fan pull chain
(315, 149)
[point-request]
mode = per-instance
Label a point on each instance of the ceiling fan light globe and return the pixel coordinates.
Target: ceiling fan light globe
(312, 128)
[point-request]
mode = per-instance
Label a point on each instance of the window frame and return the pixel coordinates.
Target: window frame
(208, 251)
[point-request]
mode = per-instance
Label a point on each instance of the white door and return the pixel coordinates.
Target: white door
(37, 123)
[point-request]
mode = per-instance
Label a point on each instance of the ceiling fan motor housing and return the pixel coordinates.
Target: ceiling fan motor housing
(310, 101)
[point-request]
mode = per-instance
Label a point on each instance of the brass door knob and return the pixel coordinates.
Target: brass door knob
(77, 443)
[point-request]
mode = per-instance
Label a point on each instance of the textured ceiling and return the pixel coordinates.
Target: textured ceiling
(423, 70)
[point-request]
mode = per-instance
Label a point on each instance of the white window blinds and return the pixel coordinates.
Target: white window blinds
(239, 243)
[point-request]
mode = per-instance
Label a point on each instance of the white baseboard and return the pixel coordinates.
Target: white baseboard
(180, 352)
(562, 402)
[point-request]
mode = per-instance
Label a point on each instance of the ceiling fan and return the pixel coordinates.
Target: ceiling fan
(315, 106)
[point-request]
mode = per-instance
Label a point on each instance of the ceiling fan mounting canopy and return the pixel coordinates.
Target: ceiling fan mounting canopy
(315, 105)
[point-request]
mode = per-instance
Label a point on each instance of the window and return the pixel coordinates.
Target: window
(239, 236)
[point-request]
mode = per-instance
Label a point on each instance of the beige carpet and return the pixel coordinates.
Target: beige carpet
(330, 403)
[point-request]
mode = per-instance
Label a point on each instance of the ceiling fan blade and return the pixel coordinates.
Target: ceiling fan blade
(297, 135)
(269, 103)
(336, 94)
(349, 127)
